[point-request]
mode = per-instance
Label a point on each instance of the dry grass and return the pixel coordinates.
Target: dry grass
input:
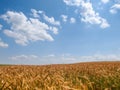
(82, 76)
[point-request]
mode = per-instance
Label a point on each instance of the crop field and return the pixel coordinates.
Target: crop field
(79, 76)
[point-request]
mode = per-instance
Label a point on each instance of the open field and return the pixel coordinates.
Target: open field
(81, 76)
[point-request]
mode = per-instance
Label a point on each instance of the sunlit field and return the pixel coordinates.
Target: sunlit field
(80, 76)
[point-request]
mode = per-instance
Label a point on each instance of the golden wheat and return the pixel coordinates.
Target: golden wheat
(82, 76)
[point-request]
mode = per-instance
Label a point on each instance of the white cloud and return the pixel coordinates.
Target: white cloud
(35, 13)
(25, 30)
(92, 17)
(1, 26)
(100, 57)
(60, 59)
(54, 30)
(88, 15)
(2, 44)
(50, 55)
(73, 2)
(24, 57)
(104, 1)
(114, 9)
(51, 20)
(72, 20)
(76, 59)
(64, 18)
(104, 23)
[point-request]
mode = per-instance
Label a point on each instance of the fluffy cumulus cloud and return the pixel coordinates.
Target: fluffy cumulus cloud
(114, 9)
(64, 18)
(104, 23)
(51, 20)
(3, 44)
(35, 13)
(87, 13)
(54, 30)
(72, 20)
(73, 2)
(24, 57)
(92, 17)
(25, 30)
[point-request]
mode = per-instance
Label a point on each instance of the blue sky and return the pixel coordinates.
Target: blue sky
(59, 31)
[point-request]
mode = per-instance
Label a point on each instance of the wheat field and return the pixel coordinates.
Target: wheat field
(80, 76)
